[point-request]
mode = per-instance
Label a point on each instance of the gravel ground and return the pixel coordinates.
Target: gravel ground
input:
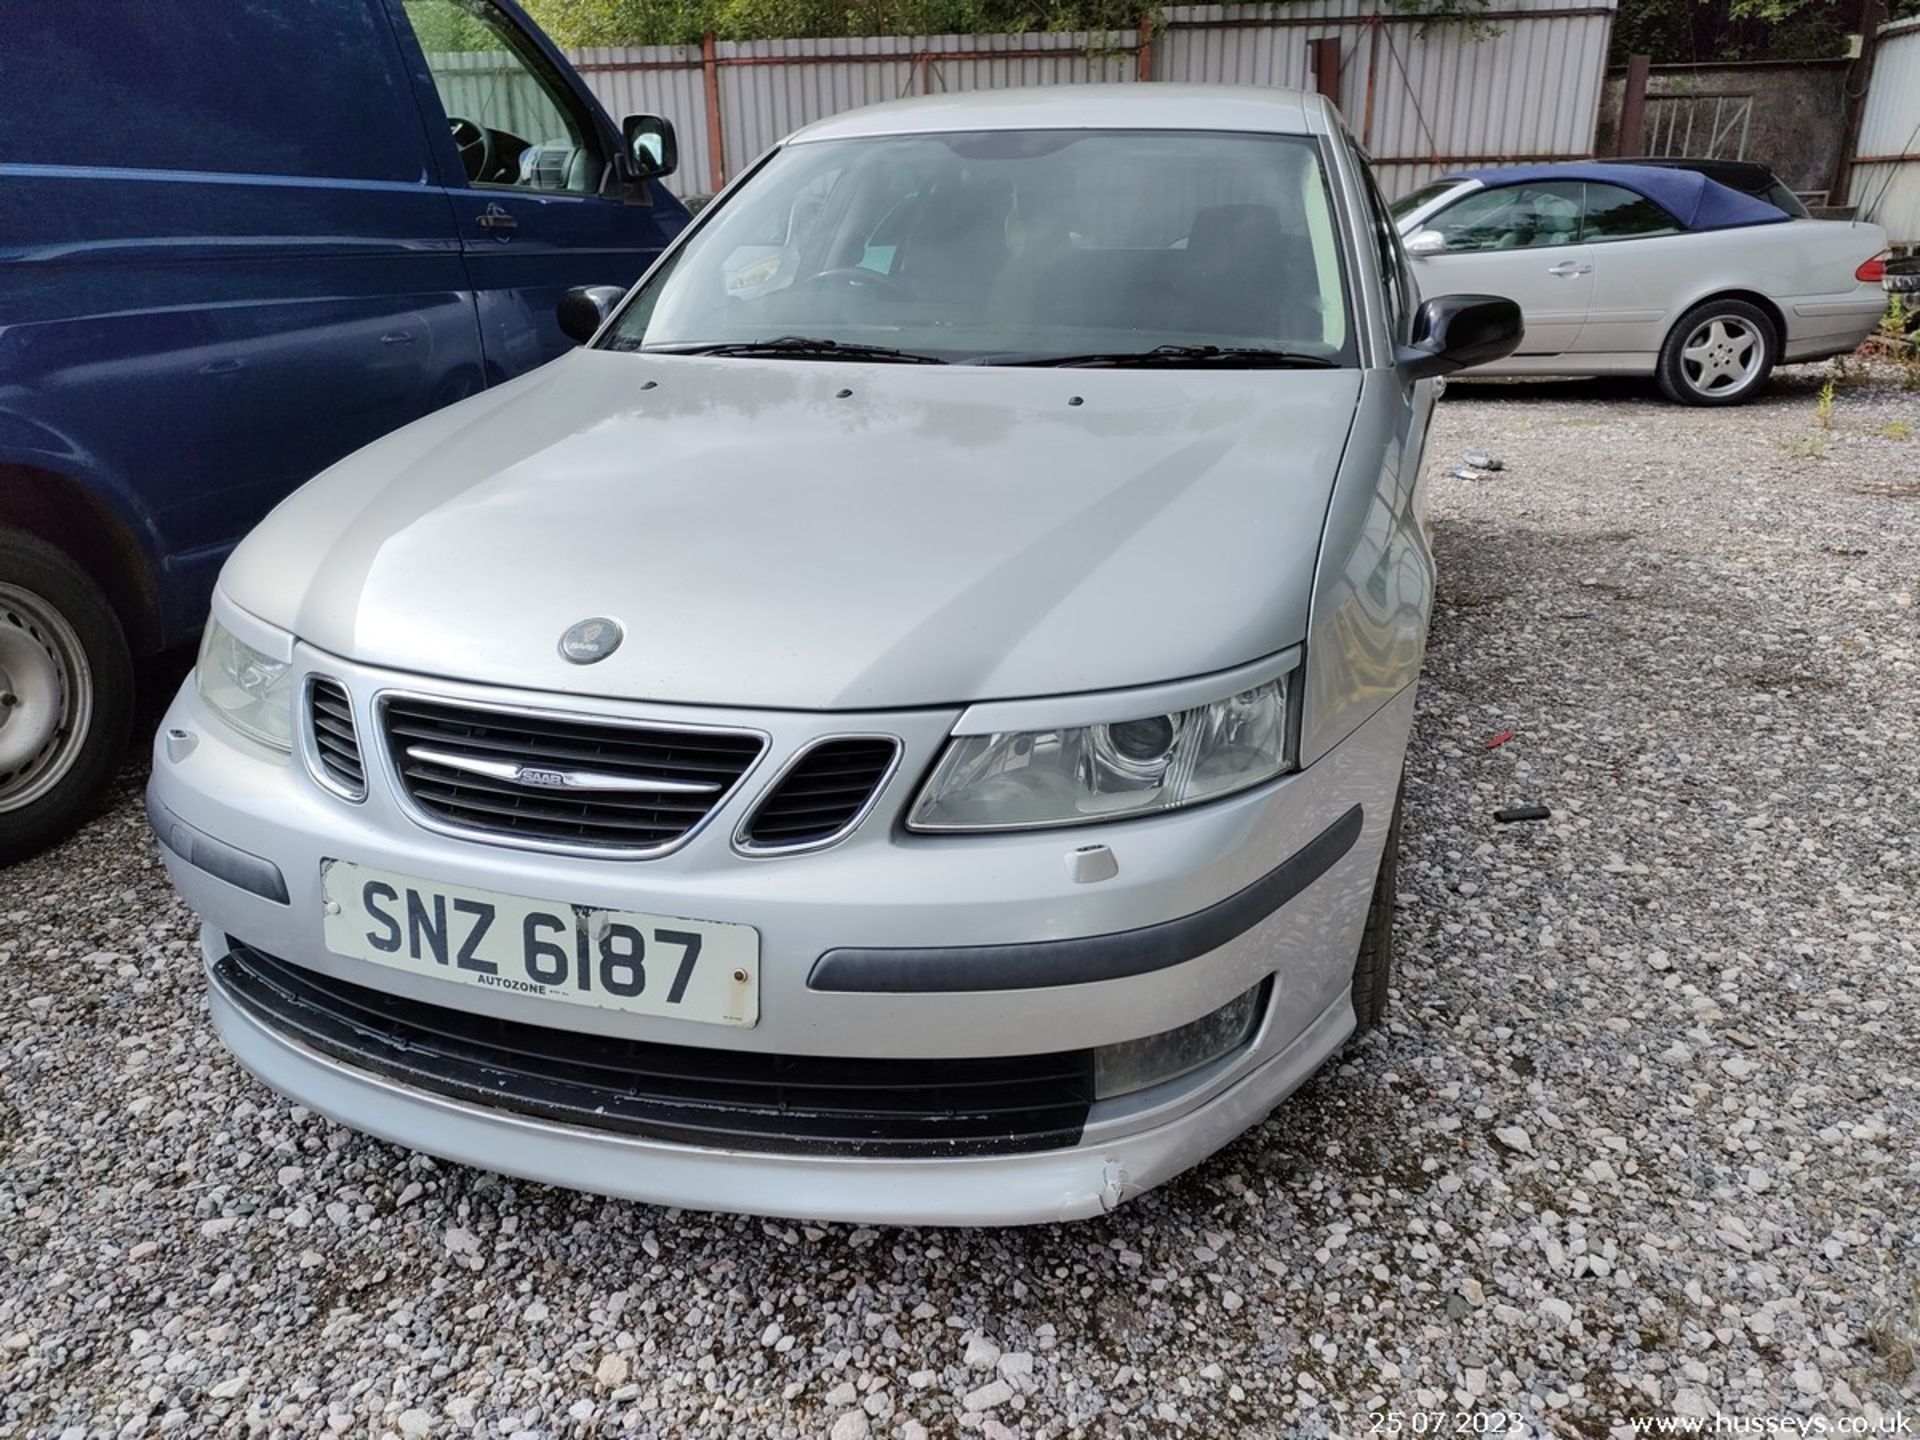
(1640, 1138)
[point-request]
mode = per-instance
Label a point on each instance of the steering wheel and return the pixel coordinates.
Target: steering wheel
(858, 277)
(475, 143)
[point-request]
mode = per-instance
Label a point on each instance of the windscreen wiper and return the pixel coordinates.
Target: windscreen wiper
(1174, 356)
(799, 347)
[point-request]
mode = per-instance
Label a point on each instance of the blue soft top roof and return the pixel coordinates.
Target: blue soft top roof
(1690, 197)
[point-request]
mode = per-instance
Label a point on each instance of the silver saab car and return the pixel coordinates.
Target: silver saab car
(904, 725)
(1623, 269)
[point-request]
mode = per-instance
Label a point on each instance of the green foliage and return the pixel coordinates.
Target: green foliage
(1676, 32)
(683, 22)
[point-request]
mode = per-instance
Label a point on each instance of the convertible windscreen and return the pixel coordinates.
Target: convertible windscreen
(1012, 246)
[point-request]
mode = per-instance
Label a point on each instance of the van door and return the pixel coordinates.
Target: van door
(1520, 241)
(224, 263)
(527, 157)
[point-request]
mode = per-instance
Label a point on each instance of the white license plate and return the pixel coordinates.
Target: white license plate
(614, 959)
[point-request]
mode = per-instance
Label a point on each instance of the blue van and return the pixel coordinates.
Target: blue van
(239, 239)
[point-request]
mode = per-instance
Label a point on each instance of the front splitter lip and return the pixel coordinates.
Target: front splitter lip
(1031, 1188)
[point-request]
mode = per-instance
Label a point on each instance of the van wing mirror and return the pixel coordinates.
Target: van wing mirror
(585, 308)
(1452, 332)
(651, 148)
(1425, 242)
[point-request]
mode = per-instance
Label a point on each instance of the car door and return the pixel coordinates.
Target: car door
(217, 277)
(1520, 241)
(526, 155)
(1639, 273)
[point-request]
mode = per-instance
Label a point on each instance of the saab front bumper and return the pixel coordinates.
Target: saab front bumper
(886, 950)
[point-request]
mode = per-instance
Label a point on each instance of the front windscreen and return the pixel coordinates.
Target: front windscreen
(1015, 245)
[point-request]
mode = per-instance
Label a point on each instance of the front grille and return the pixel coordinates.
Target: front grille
(336, 745)
(459, 764)
(822, 794)
(685, 1094)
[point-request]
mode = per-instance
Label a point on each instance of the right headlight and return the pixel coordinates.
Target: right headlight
(1086, 774)
(250, 690)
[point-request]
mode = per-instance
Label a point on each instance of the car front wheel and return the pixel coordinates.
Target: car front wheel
(1720, 353)
(66, 694)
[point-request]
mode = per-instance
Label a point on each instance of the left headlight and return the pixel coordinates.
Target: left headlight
(251, 691)
(1091, 773)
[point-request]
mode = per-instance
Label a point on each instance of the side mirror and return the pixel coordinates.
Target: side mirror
(585, 308)
(1425, 242)
(652, 150)
(1452, 332)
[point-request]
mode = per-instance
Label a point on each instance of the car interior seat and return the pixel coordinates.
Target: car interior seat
(1245, 274)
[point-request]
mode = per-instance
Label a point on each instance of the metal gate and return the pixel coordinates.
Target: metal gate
(1702, 126)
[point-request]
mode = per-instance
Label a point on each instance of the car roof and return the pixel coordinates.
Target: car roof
(1158, 106)
(1738, 173)
(1695, 200)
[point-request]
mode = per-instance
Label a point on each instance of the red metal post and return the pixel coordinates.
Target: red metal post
(1143, 52)
(1374, 36)
(1326, 67)
(1630, 138)
(716, 138)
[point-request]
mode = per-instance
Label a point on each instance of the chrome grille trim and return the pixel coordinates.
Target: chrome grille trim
(462, 802)
(743, 840)
(330, 743)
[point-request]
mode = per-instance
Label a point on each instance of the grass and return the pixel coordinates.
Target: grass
(1823, 407)
(1806, 447)
(1898, 430)
(1894, 1335)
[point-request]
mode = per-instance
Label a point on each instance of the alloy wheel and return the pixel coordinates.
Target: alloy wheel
(1722, 356)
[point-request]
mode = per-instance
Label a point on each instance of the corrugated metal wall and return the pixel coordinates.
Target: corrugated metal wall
(1524, 83)
(1887, 189)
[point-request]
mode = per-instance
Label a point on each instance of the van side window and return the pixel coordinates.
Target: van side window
(310, 88)
(513, 119)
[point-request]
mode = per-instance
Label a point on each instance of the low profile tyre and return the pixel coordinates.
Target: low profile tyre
(1720, 353)
(1373, 970)
(66, 695)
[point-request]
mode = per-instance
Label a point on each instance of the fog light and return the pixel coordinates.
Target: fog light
(1135, 1064)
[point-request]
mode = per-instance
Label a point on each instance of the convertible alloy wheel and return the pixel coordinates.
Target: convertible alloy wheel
(1719, 354)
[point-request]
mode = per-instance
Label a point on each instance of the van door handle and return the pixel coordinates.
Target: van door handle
(1569, 267)
(397, 337)
(494, 218)
(228, 366)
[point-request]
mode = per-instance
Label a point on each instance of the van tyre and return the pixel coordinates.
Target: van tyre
(1720, 353)
(1373, 970)
(66, 695)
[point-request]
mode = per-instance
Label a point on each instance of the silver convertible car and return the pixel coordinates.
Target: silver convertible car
(1624, 269)
(905, 724)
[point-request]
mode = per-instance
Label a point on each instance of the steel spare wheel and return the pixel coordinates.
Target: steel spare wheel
(46, 696)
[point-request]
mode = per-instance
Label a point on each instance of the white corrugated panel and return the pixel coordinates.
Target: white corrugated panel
(1888, 193)
(1423, 97)
(655, 80)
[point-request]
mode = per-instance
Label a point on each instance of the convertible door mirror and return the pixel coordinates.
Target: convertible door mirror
(652, 150)
(585, 308)
(1425, 242)
(1452, 332)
